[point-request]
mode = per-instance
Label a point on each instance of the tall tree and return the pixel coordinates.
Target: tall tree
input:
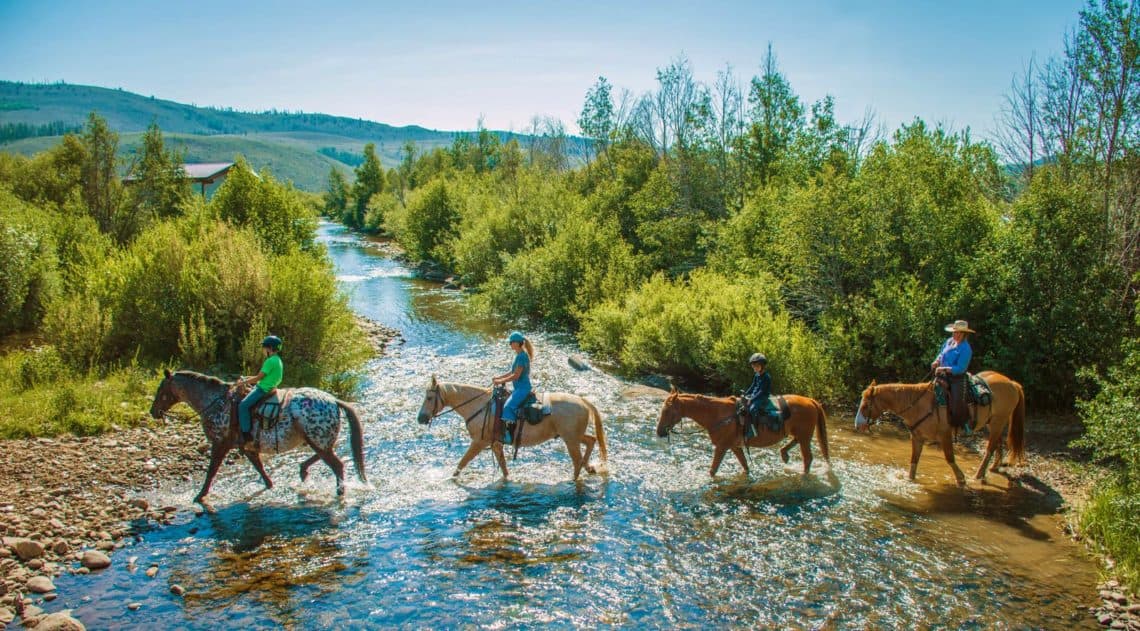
(336, 195)
(776, 115)
(369, 181)
(160, 186)
(101, 190)
(597, 118)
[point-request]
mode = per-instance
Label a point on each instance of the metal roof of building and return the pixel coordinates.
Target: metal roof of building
(205, 170)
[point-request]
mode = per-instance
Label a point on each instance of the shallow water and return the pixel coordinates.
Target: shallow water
(653, 542)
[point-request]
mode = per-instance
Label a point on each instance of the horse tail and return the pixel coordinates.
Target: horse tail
(1016, 440)
(599, 430)
(356, 435)
(821, 428)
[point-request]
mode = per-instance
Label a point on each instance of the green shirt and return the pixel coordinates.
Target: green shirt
(273, 370)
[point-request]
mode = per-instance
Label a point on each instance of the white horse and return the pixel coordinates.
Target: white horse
(569, 419)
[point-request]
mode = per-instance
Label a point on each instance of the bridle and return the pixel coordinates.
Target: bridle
(874, 418)
(437, 399)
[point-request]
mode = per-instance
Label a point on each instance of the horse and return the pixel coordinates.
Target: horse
(311, 417)
(915, 404)
(718, 416)
(569, 419)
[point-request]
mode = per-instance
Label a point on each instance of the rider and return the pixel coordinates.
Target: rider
(266, 380)
(757, 394)
(520, 374)
(950, 367)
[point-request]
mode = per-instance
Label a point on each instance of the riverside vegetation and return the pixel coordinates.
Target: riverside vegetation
(709, 220)
(102, 284)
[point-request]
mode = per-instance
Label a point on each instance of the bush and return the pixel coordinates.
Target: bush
(704, 329)
(28, 265)
(280, 216)
(430, 220)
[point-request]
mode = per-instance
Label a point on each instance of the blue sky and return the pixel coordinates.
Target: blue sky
(443, 64)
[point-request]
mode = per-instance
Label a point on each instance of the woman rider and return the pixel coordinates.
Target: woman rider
(266, 380)
(519, 374)
(950, 366)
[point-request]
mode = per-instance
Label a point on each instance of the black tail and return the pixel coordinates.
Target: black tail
(356, 436)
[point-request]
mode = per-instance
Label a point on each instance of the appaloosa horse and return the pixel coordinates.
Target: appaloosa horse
(569, 419)
(311, 417)
(915, 404)
(718, 416)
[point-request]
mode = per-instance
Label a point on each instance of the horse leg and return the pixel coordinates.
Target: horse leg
(718, 455)
(575, 450)
(739, 453)
(306, 464)
(784, 450)
(915, 453)
(218, 453)
(991, 447)
(255, 460)
(331, 460)
(948, 450)
(805, 452)
(472, 450)
(589, 440)
(497, 447)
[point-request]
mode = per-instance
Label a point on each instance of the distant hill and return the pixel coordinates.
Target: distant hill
(294, 146)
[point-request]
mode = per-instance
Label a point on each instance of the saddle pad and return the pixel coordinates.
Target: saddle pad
(269, 410)
(778, 407)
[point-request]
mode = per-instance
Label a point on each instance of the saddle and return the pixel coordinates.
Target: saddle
(978, 394)
(265, 414)
(532, 411)
(775, 412)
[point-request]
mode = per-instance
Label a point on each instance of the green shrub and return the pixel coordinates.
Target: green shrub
(428, 222)
(39, 366)
(705, 328)
(28, 265)
(1111, 517)
(280, 216)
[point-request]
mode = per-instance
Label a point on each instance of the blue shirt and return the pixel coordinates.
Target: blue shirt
(761, 387)
(956, 357)
(522, 360)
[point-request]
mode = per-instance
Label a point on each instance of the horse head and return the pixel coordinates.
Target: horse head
(433, 403)
(166, 396)
(868, 409)
(669, 415)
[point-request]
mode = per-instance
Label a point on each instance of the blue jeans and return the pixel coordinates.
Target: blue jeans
(511, 407)
(756, 406)
(245, 408)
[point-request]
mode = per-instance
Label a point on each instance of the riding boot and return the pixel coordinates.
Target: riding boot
(509, 433)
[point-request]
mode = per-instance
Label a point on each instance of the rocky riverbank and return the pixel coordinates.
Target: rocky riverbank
(69, 503)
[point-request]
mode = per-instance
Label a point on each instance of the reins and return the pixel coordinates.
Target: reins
(907, 409)
(446, 408)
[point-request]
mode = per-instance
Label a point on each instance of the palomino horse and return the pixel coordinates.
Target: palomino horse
(569, 419)
(718, 416)
(311, 418)
(915, 404)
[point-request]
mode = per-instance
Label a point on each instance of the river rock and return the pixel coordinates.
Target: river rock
(106, 545)
(40, 585)
(139, 502)
(6, 615)
(151, 571)
(60, 621)
(31, 612)
(61, 548)
(177, 590)
(1104, 619)
(25, 548)
(134, 606)
(36, 564)
(578, 363)
(95, 560)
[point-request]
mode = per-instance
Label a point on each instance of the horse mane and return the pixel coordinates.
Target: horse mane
(201, 378)
(705, 398)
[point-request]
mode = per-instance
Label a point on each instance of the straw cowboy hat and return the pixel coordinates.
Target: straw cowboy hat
(959, 326)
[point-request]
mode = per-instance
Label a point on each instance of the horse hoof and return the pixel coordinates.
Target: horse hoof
(784, 457)
(591, 469)
(340, 491)
(268, 486)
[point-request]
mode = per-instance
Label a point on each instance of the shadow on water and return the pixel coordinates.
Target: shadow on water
(1025, 498)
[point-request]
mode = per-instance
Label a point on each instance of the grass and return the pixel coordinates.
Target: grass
(41, 397)
(1112, 519)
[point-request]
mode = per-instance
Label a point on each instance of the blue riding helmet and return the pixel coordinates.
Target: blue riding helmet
(516, 337)
(272, 341)
(758, 358)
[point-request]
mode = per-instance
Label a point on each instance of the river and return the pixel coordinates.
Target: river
(654, 542)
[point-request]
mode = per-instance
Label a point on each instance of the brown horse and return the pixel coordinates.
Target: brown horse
(569, 419)
(718, 416)
(915, 404)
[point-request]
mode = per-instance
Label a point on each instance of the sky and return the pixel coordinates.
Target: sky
(443, 65)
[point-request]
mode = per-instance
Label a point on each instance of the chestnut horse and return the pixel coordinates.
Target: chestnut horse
(915, 404)
(718, 416)
(569, 419)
